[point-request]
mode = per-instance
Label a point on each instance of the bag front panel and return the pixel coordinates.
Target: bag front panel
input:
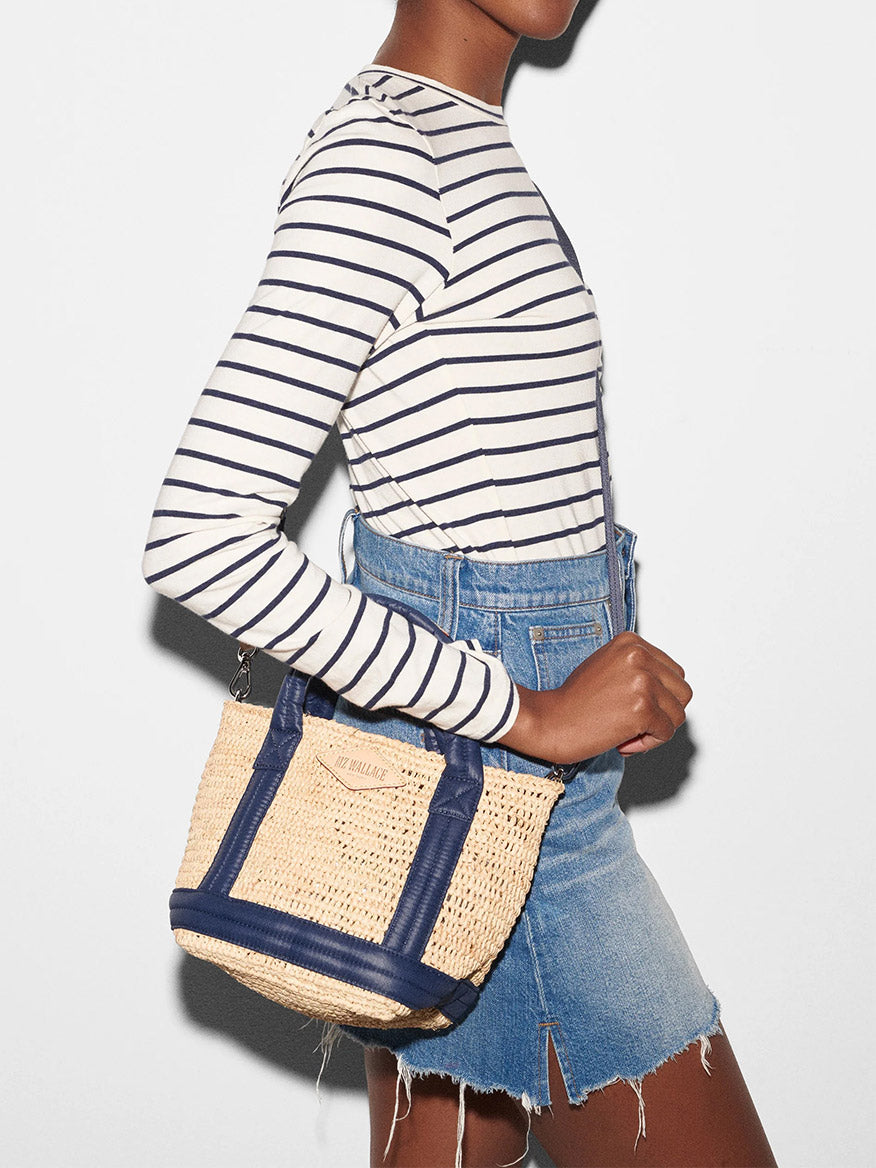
(333, 855)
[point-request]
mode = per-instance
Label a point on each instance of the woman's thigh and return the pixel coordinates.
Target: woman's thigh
(495, 1123)
(692, 1119)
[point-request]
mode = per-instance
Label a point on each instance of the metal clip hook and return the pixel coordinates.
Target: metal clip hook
(241, 683)
(562, 772)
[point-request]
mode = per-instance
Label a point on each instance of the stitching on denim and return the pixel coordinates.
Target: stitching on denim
(626, 555)
(392, 584)
(454, 578)
(542, 672)
(442, 600)
(480, 607)
(533, 607)
(535, 969)
(560, 633)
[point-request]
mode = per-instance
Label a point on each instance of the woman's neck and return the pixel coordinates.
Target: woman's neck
(452, 41)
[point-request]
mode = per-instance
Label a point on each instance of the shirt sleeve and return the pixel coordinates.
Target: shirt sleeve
(360, 240)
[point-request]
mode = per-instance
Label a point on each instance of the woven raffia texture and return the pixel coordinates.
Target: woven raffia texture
(341, 857)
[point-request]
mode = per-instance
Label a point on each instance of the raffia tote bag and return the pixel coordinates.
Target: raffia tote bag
(350, 876)
(356, 878)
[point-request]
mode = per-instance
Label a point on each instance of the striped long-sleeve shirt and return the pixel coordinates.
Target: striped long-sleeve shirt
(416, 295)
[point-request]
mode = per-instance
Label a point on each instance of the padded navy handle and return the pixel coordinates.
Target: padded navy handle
(451, 809)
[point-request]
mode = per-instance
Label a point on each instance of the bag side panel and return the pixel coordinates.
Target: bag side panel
(242, 729)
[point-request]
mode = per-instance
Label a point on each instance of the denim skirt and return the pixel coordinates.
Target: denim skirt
(596, 962)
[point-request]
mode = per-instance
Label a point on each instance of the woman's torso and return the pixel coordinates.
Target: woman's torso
(472, 427)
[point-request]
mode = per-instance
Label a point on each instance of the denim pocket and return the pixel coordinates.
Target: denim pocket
(558, 649)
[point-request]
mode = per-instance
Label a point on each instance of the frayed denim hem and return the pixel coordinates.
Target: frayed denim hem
(331, 1033)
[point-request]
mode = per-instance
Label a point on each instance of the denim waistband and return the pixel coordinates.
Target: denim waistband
(488, 584)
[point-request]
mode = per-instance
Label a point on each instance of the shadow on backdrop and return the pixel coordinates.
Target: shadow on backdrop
(211, 998)
(550, 54)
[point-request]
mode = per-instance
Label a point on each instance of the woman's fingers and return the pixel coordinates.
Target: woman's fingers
(668, 716)
(673, 716)
(675, 687)
(670, 694)
(662, 657)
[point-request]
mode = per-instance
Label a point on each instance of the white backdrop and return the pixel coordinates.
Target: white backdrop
(715, 170)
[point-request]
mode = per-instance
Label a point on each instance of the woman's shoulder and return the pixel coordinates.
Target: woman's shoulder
(358, 118)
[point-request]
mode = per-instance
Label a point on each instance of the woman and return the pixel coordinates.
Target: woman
(421, 295)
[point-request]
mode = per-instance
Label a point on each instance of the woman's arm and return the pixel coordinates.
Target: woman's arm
(360, 241)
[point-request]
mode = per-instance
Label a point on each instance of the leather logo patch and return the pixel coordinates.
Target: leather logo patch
(361, 769)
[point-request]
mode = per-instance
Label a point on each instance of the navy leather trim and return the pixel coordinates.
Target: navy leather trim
(272, 761)
(302, 942)
(450, 816)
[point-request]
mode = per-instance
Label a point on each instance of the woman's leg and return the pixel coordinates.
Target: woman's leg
(495, 1124)
(692, 1119)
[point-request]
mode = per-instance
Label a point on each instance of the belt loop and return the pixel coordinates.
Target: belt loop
(342, 558)
(448, 616)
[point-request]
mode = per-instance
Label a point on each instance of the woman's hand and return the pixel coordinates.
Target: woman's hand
(627, 694)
